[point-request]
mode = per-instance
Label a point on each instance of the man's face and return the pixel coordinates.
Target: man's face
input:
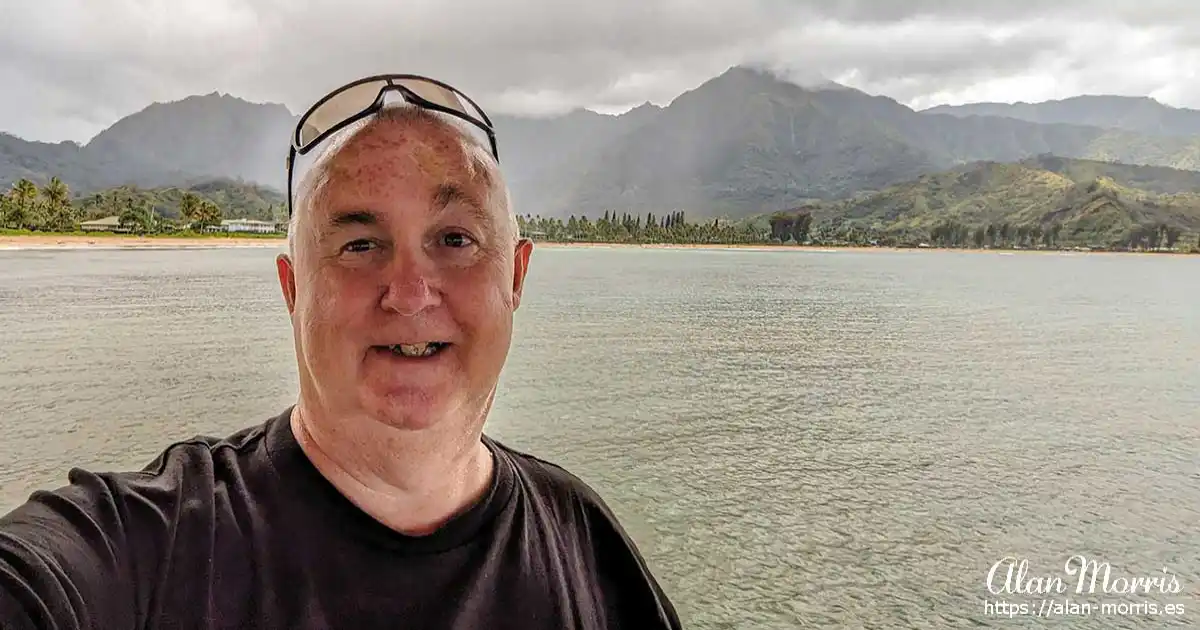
(402, 246)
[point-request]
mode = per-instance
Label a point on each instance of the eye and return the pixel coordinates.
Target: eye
(457, 239)
(360, 245)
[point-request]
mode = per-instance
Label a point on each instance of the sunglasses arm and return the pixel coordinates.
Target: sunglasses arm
(291, 160)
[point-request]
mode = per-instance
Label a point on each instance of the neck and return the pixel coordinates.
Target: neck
(412, 482)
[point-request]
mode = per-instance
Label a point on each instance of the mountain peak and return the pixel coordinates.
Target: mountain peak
(212, 103)
(781, 75)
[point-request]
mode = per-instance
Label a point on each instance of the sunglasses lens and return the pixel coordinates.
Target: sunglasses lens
(445, 97)
(336, 109)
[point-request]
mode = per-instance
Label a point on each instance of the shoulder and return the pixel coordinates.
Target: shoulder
(612, 560)
(196, 458)
(551, 481)
(185, 470)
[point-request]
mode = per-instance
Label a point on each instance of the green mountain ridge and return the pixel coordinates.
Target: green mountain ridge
(1086, 203)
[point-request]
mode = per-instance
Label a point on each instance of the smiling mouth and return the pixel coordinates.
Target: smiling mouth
(416, 350)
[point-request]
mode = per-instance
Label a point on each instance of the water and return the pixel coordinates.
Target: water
(818, 439)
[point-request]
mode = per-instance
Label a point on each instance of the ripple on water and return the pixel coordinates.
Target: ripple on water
(795, 440)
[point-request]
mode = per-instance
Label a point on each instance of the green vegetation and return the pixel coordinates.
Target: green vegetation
(143, 211)
(1042, 203)
(796, 227)
(185, 233)
(626, 228)
(1021, 206)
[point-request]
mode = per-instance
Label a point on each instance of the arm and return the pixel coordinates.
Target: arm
(62, 559)
(65, 561)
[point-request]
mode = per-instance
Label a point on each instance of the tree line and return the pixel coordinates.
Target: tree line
(47, 209)
(992, 235)
(50, 208)
(1145, 237)
(800, 227)
(671, 227)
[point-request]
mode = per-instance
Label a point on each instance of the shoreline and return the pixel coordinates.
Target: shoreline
(16, 242)
(75, 241)
(840, 248)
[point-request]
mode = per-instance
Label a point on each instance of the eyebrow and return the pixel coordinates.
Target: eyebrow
(354, 217)
(450, 192)
(344, 219)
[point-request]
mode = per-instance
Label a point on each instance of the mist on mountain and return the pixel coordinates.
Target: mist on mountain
(749, 141)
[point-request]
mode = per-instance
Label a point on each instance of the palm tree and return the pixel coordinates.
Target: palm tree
(6, 213)
(140, 217)
(189, 206)
(207, 214)
(60, 214)
(23, 204)
(56, 192)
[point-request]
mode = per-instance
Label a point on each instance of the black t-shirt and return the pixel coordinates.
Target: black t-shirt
(243, 532)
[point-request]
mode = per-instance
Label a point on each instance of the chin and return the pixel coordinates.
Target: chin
(409, 409)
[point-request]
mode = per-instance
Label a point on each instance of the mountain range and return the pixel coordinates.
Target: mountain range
(1140, 114)
(743, 143)
(1088, 203)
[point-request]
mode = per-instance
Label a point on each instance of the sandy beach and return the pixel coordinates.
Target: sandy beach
(67, 241)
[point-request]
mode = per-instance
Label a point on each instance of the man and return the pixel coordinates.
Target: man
(376, 501)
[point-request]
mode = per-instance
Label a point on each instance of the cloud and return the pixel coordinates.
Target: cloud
(76, 66)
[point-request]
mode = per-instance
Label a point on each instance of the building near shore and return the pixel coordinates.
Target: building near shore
(246, 225)
(107, 224)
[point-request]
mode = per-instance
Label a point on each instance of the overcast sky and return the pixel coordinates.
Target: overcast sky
(69, 68)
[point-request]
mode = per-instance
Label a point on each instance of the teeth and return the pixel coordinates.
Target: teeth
(417, 349)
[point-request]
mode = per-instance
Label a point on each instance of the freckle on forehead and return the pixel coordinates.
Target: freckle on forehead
(375, 160)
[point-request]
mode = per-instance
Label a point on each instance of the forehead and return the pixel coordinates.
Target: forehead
(403, 162)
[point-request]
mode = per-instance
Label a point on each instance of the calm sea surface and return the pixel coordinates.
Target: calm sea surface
(795, 439)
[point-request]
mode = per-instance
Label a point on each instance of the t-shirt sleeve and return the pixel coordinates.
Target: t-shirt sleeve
(63, 560)
(631, 596)
(84, 556)
(634, 598)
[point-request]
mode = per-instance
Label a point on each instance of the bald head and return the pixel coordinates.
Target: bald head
(433, 144)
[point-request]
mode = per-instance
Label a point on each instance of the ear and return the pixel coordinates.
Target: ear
(520, 268)
(287, 280)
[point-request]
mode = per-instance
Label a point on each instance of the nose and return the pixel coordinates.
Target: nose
(410, 285)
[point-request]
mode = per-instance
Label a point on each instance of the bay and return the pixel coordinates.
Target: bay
(794, 438)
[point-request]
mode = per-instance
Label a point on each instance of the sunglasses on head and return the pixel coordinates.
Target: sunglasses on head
(357, 100)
